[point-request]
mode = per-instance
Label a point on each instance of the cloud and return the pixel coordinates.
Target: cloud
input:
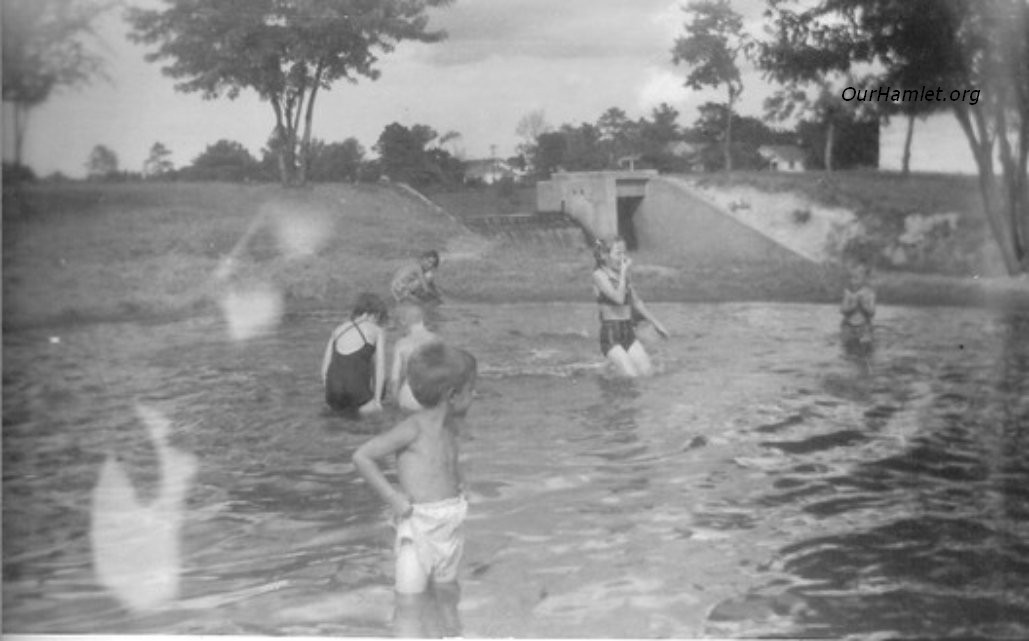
(661, 85)
(557, 31)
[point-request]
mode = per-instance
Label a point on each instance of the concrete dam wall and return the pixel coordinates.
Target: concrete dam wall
(659, 214)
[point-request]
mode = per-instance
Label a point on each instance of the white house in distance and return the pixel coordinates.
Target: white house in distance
(784, 157)
(939, 145)
(490, 170)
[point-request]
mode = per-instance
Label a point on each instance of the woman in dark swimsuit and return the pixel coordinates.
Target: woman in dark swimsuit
(354, 365)
(619, 307)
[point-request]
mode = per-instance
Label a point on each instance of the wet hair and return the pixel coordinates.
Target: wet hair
(602, 248)
(369, 303)
(432, 255)
(436, 370)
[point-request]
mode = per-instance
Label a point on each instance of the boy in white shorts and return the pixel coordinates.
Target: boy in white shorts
(429, 505)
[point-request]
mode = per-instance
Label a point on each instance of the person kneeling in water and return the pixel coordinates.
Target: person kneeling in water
(354, 364)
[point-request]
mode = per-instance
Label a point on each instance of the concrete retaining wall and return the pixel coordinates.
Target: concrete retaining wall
(671, 219)
(591, 197)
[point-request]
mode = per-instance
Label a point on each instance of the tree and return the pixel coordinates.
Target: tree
(584, 150)
(749, 135)
(818, 102)
(451, 138)
(46, 44)
(663, 126)
(530, 127)
(618, 134)
(157, 163)
(285, 50)
(225, 160)
(102, 163)
(656, 134)
(336, 161)
(972, 56)
(405, 156)
(714, 40)
(549, 153)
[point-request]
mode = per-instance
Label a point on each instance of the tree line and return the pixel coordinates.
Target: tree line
(414, 155)
(417, 154)
(717, 140)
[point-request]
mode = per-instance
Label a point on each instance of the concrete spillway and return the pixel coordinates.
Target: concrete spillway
(658, 213)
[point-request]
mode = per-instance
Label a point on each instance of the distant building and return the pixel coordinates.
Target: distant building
(490, 170)
(784, 157)
(691, 152)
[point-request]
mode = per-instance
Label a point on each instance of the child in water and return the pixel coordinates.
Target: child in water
(858, 309)
(411, 317)
(619, 308)
(354, 363)
(415, 281)
(429, 505)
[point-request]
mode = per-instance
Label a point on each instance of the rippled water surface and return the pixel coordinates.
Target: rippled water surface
(762, 484)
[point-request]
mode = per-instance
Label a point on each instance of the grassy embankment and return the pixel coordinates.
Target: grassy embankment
(150, 251)
(79, 252)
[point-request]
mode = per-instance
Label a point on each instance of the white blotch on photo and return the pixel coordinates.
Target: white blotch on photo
(301, 232)
(252, 313)
(136, 547)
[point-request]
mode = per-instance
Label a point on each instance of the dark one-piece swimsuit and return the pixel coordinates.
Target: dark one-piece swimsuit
(348, 383)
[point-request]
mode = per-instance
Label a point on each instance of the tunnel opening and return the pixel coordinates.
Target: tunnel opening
(627, 206)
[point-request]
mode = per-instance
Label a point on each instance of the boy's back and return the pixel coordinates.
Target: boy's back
(427, 468)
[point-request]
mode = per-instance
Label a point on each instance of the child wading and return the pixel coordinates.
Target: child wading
(619, 306)
(858, 309)
(416, 281)
(412, 318)
(429, 505)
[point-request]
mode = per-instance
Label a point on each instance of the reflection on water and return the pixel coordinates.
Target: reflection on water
(764, 483)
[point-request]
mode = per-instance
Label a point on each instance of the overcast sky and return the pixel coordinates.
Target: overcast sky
(572, 59)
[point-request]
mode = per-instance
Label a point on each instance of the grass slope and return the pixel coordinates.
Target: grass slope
(81, 252)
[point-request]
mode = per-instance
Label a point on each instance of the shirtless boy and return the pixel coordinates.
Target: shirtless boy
(428, 504)
(412, 317)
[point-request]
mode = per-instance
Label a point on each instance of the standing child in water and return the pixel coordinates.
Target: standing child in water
(354, 363)
(428, 505)
(858, 309)
(412, 318)
(619, 307)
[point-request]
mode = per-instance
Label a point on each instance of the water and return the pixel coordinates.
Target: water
(762, 484)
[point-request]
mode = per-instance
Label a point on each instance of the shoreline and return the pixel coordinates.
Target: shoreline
(905, 290)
